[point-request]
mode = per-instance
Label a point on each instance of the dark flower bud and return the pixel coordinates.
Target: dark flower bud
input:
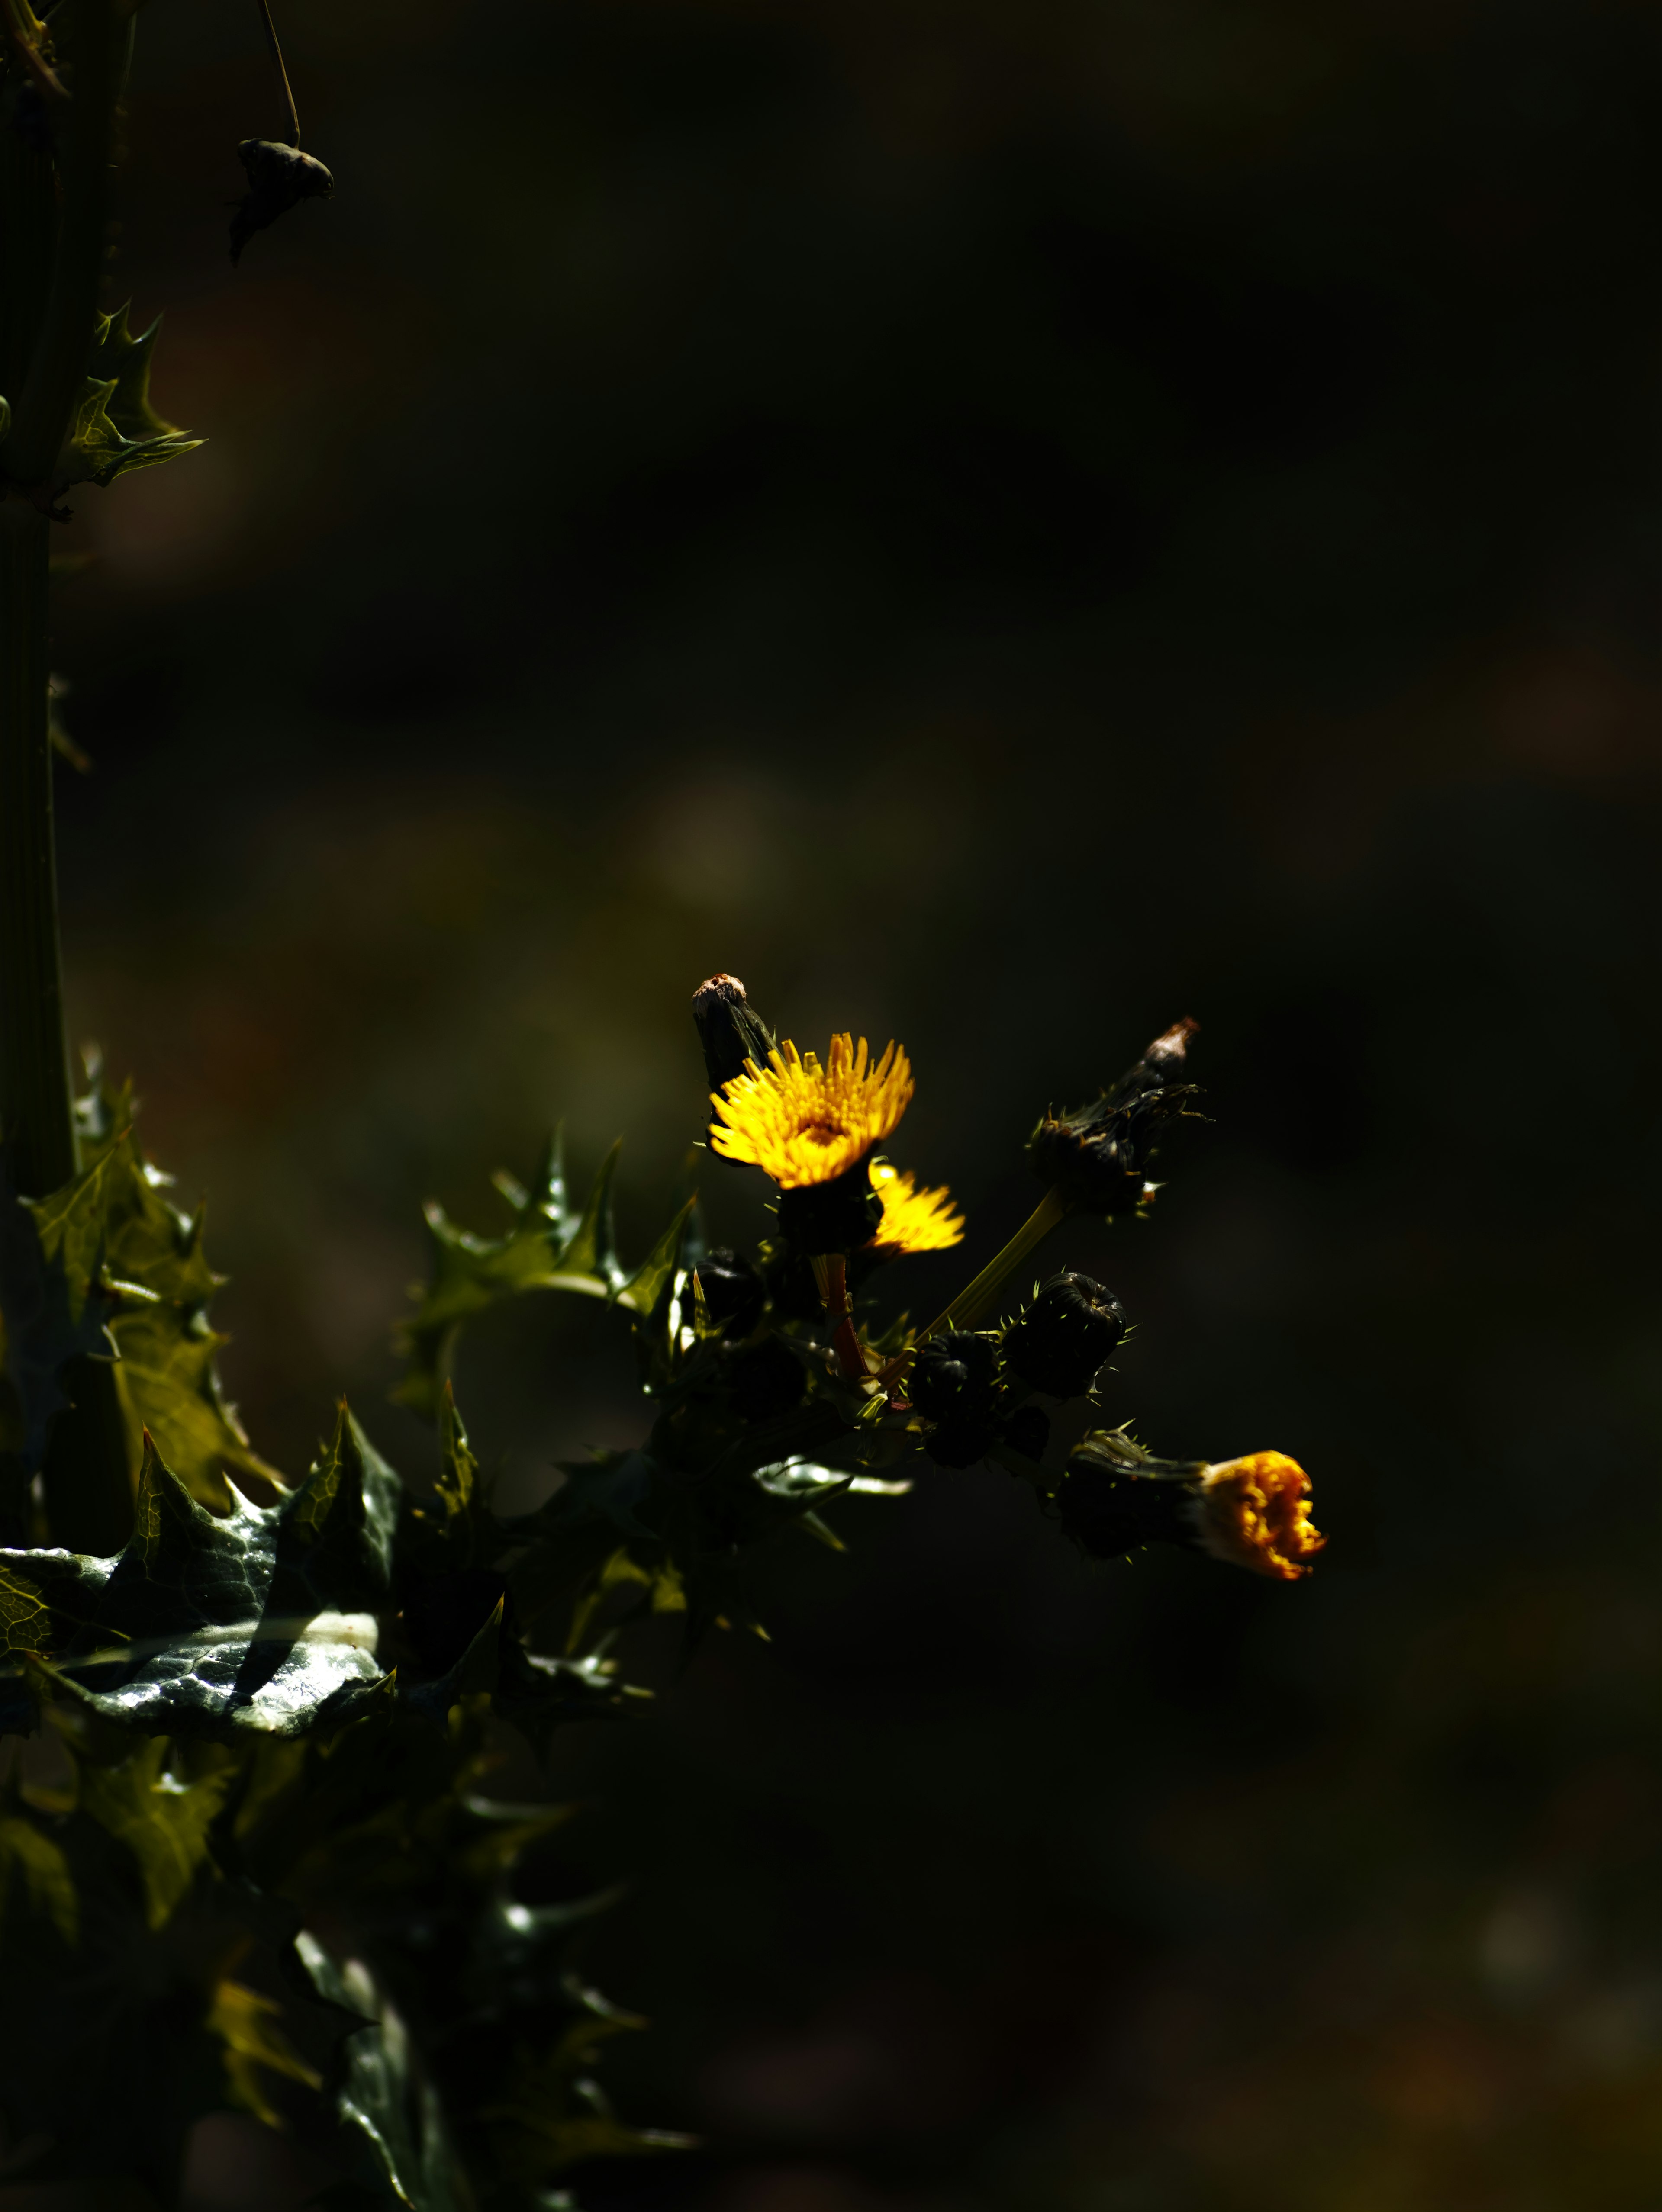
(792, 1290)
(1027, 1430)
(839, 1215)
(767, 1380)
(1062, 1338)
(732, 1291)
(955, 1373)
(729, 1030)
(279, 178)
(1252, 1512)
(1098, 1158)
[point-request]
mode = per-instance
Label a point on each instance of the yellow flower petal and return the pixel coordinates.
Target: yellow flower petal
(1255, 1513)
(803, 1123)
(914, 1220)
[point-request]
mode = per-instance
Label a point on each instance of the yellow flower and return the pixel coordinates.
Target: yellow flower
(913, 1220)
(805, 1124)
(1255, 1513)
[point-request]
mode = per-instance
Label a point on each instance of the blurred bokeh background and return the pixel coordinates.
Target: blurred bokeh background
(1003, 526)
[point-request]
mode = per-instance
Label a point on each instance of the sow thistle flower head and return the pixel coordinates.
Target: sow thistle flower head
(803, 1123)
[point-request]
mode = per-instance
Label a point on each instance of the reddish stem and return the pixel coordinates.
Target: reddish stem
(850, 1352)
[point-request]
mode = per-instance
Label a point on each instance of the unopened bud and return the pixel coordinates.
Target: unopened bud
(954, 1372)
(729, 1030)
(1061, 1341)
(1252, 1512)
(1097, 1157)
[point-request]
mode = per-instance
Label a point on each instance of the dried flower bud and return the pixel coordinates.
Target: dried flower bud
(839, 1215)
(1251, 1512)
(732, 1291)
(1061, 1341)
(729, 1030)
(1099, 1157)
(279, 178)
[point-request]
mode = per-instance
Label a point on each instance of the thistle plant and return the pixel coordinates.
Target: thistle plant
(250, 1854)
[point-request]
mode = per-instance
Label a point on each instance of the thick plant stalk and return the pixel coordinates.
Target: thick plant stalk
(52, 254)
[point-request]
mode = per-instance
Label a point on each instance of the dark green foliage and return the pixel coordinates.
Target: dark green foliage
(263, 1870)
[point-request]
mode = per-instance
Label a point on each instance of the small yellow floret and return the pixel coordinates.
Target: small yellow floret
(1255, 1513)
(914, 1220)
(804, 1123)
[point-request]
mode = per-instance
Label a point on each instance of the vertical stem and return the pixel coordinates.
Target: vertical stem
(845, 1339)
(62, 342)
(51, 258)
(36, 1113)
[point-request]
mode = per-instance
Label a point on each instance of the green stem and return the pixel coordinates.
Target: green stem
(63, 343)
(975, 1298)
(36, 1108)
(51, 258)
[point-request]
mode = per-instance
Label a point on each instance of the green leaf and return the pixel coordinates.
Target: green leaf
(113, 426)
(647, 1286)
(551, 2116)
(247, 2022)
(26, 1849)
(24, 1616)
(124, 360)
(53, 1305)
(545, 1250)
(163, 1823)
(404, 2155)
(118, 1267)
(261, 1621)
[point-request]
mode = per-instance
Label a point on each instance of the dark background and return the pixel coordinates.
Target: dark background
(1004, 525)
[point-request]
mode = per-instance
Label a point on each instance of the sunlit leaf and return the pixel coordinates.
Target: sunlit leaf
(249, 2024)
(405, 2156)
(162, 1822)
(262, 1620)
(28, 1852)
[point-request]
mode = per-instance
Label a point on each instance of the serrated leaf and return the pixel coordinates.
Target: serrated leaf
(162, 1822)
(546, 1250)
(95, 451)
(647, 1286)
(53, 1307)
(27, 1850)
(249, 2024)
(550, 2116)
(113, 426)
(124, 361)
(258, 1621)
(406, 2157)
(118, 1267)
